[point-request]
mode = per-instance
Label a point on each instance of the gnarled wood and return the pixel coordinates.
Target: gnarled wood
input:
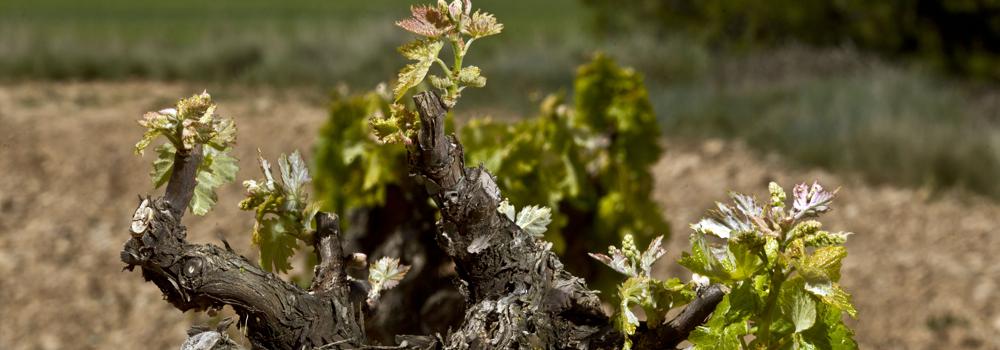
(518, 294)
(329, 272)
(668, 335)
(276, 314)
(180, 187)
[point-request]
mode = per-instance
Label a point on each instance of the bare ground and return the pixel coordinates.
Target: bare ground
(921, 266)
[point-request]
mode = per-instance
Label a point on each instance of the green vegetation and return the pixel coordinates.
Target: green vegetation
(655, 297)
(282, 212)
(780, 270)
(588, 161)
(284, 216)
(956, 35)
(436, 25)
(190, 127)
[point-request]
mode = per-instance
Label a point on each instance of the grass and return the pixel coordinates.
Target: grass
(312, 42)
(305, 41)
(850, 114)
(835, 108)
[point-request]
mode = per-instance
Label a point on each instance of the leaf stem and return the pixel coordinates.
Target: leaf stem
(777, 279)
(178, 144)
(177, 137)
(459, 55)
(444, 66)
(467, 44)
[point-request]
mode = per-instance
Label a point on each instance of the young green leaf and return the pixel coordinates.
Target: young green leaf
(276, 243)
(425, 52)
(507, 210)
(471, 76)
(629, 261)
(294, 177)
(383, 275)
(224, 134)
(146, 139)
(159, 123)
(777, 195)
(703, 260)
(651, 255)
(786, 291)
(534, 219)
(163, 166)
(282, 211)
(616, 261)
(722, 331)
(797, 306)
(191, 124)
(632, 291)
(216, 169)
(831, 294)
(740, 262)
(829, 331)
(483, 24)
(827, 260)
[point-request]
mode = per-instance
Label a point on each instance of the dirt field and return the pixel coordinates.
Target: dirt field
(921, 267)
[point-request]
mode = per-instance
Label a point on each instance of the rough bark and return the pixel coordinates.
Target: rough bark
(667, 336)
(180, 186)
(329, 272)
(276, 314)
(517, 292)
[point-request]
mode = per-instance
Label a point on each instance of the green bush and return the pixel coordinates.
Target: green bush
(588, 161)
(958, 35)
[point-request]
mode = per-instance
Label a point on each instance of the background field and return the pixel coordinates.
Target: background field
(922, 270)
(833, 106)
(917, 149)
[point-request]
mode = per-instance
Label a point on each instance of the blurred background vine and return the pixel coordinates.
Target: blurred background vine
(588, 160)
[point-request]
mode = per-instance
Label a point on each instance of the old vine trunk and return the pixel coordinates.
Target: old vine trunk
(518, 295)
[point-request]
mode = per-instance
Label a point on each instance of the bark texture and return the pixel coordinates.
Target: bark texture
(276, 314)
(517, 293)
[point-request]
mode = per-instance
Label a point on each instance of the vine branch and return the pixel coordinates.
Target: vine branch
(518, 293)
(668, 335)
(329, 272)
(276, 314)
(180, 187)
